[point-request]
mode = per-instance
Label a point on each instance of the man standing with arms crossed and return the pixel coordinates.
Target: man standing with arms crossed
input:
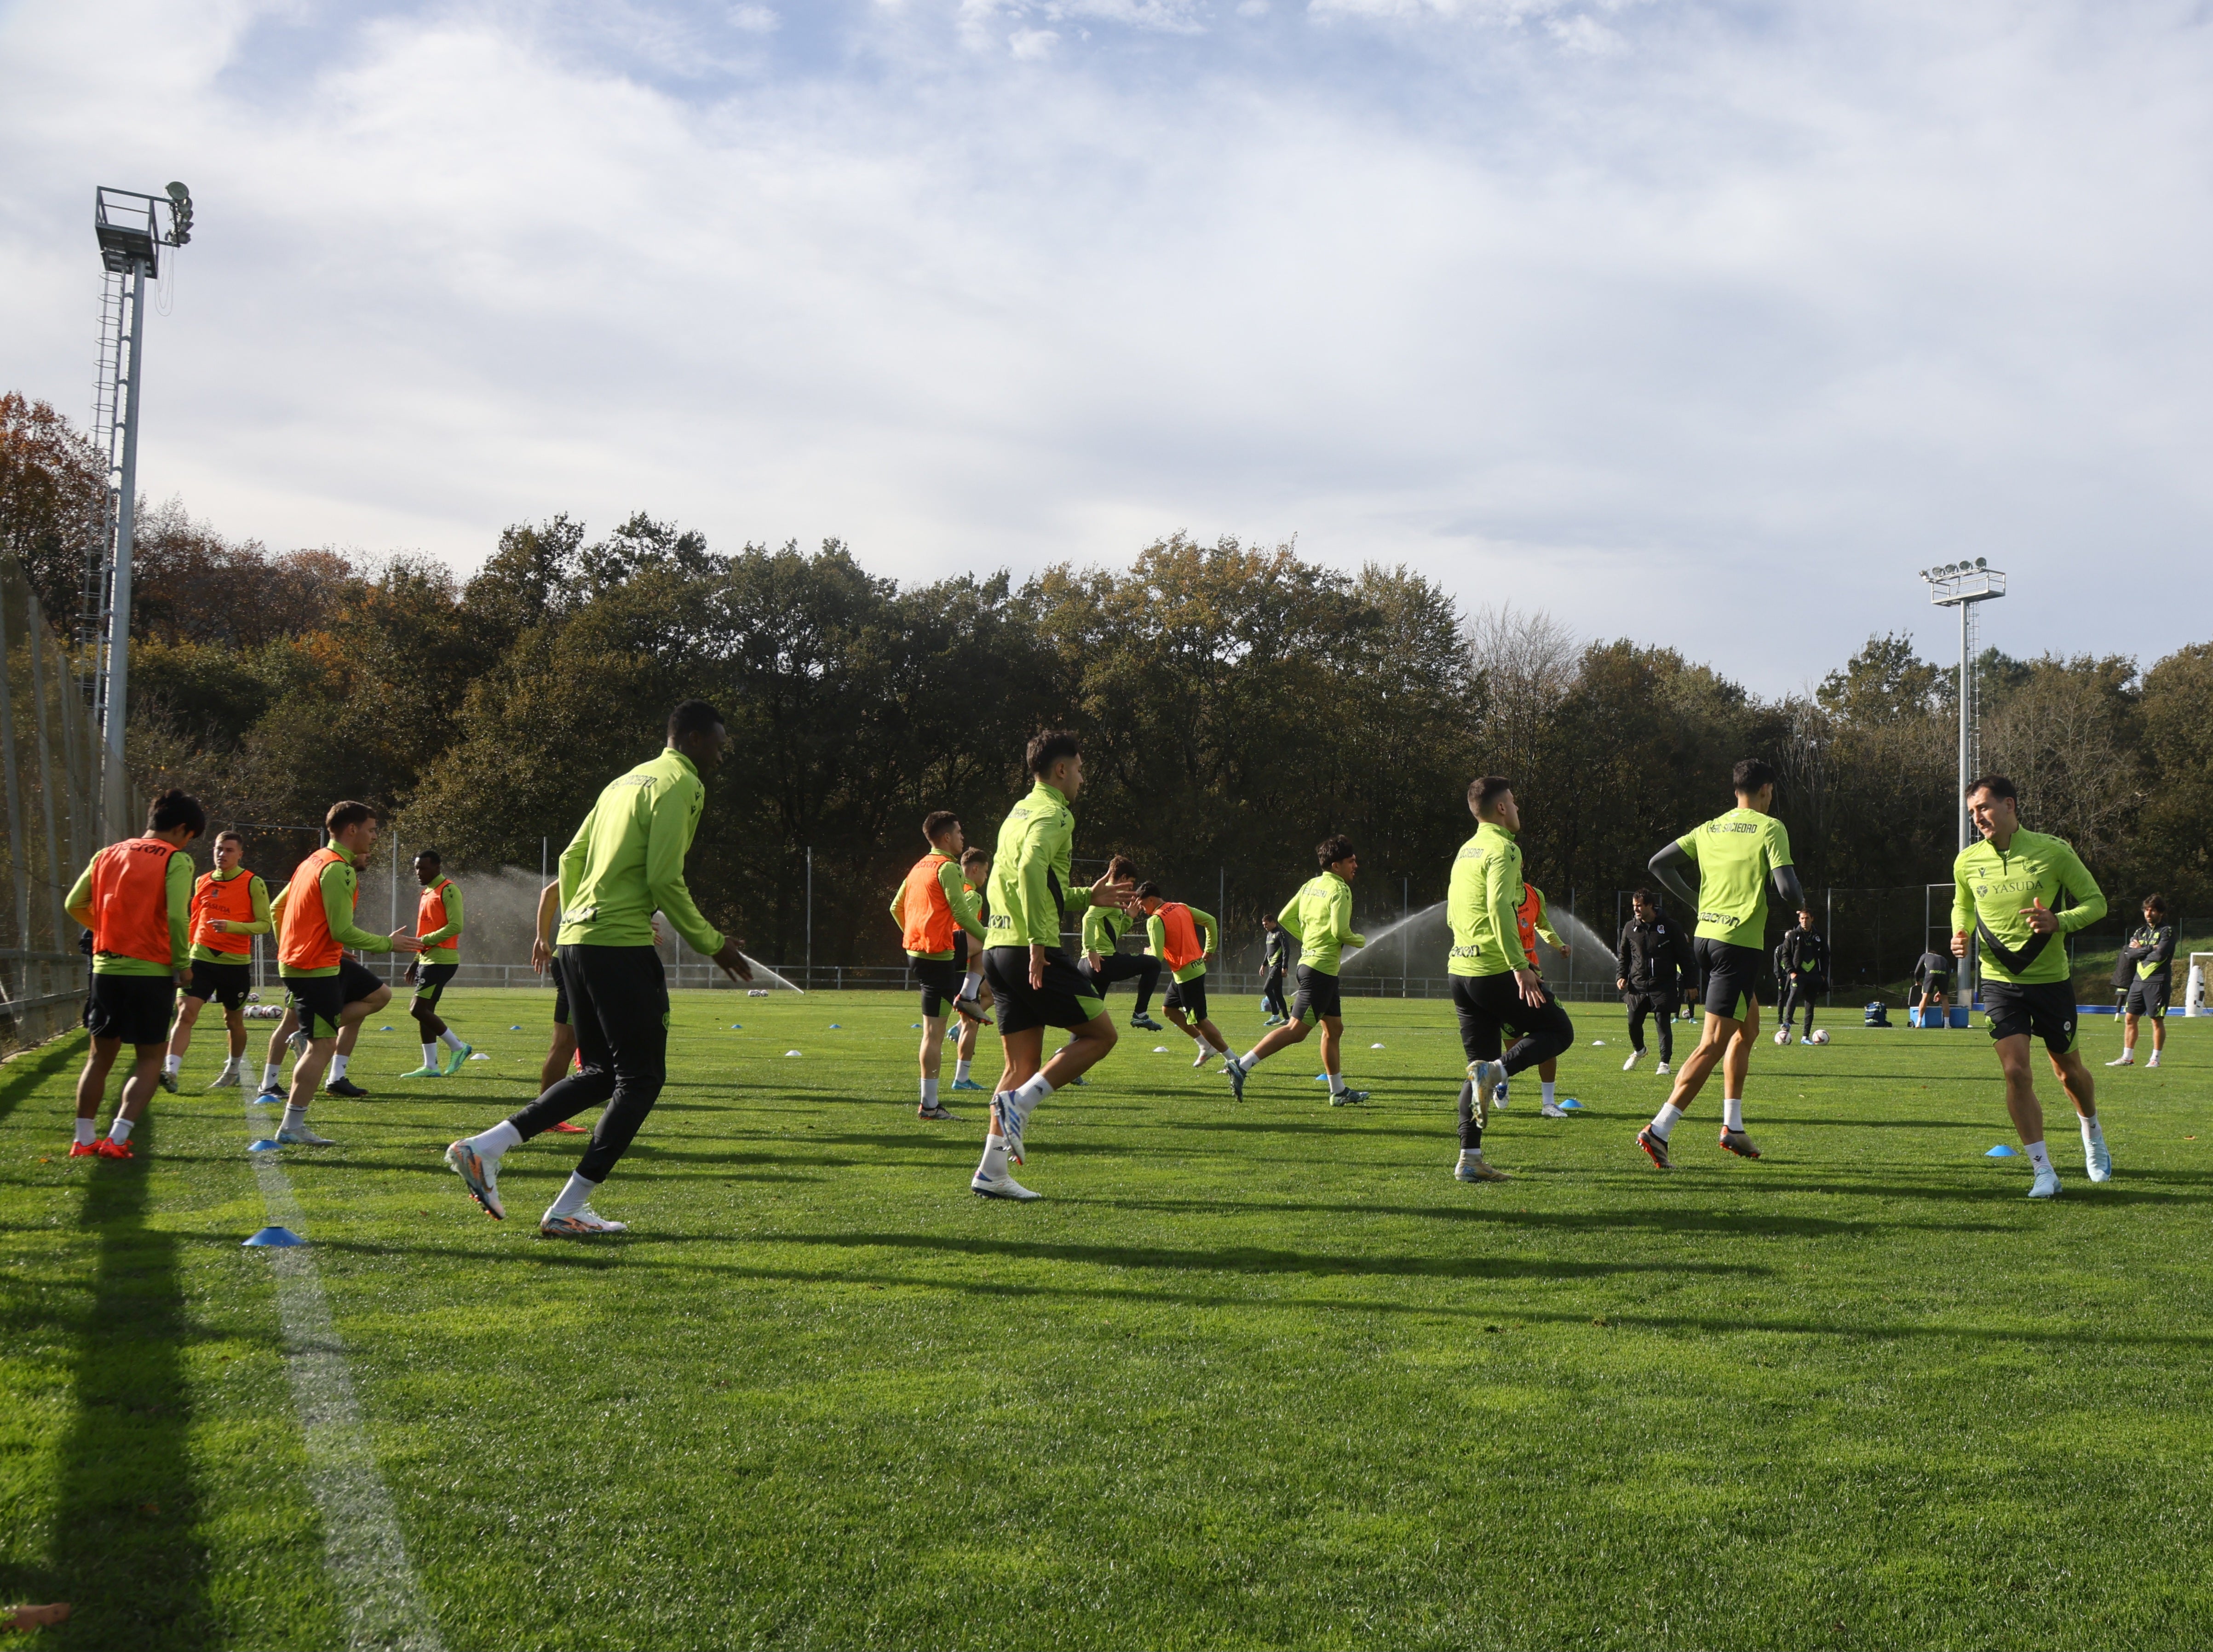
(933, 909)
(1320, 918)
(438, 927)
(1652, 953)
(1738, 857)
(1801, 969)
(230, 906)
(1035, 981)
(331, 993)
(1275, 960)
(2150, 960)
(625, 862)
(1495, 984)
(136, 896)
(2002, 891)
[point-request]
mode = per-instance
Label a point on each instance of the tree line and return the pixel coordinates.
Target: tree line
(1237, 702)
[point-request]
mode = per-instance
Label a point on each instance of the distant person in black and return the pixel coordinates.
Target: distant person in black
(2150, 960)
(1932, 982)
(1801, 969)
(1276, 963)
(1653, 955)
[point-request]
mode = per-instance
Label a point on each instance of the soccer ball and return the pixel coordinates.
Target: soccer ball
(1820, 1035)
(1782, 1035)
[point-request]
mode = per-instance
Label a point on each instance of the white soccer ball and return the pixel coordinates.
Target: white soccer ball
(1782, 1035)
(1820, 1035)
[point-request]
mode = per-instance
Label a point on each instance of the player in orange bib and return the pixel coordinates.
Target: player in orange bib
(438, 927)
(1183, 938)
(230, 906)
(934, 907)
(137, 899)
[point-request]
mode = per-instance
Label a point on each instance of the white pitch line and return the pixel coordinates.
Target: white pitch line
(366, 1556)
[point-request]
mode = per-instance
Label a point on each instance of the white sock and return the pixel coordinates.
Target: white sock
(450, 1039)
(1470, 1155)
(294, 1117)
(118, 1129)
(1033, 1093)
(1548, 1083)
(173, 1064)
(338, 1065)
(1335, 1083)
(1250, 1059)
(1732, 1113)
(497, 1140)
(86, 1129)
(928, 1092)
(575, 1195)
(2040, 1155)
(1221, 1050)
(1663, 1122)
(430, 1055)
(971, 982)
(269, 1074)
(960, 1072)
(994, 1165)
(2093, 1135)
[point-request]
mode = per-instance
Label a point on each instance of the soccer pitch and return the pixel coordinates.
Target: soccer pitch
(1249, 1374)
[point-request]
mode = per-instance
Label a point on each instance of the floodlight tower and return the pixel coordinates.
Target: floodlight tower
(131, 229)
(1962, 585)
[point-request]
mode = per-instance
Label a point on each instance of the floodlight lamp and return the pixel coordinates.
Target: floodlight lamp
(181, 202)
(1982, 562)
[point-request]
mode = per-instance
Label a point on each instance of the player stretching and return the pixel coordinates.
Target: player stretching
(1532, 919)
(1275, 961)
(975, 873)
(934, 907)
(1172, 936)
(1320, 918)
(1653, 955)
(1105, 963)
(561, 1052)
(2004, 886)
(1495, 982)
(1036, 983)
(331, 993)
(1932, 985)
(230, 906)
(1801, 966)
(625, 861)
(1738, 855)
(136, 896)
(2149, 957)
(438, 927)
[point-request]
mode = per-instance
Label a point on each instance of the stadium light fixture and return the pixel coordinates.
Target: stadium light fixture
(1965, 585)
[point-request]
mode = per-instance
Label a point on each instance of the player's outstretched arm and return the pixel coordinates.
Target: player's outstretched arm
(1784, 881)
(1671, 866)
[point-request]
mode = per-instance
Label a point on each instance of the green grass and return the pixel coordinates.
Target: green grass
(1256, 1374)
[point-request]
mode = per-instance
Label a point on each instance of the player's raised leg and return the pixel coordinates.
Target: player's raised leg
(935, 908)
(438, 920)
(1320, 918)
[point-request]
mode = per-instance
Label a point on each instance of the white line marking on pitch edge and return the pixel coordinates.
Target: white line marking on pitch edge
(361, 1544)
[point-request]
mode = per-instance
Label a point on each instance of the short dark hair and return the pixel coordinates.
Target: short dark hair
(1269, 919)
(1332, 848)
(342, 815)
(1120, 866)
(1754, 772)
(1997, 785)
(1487, 789)
(174, 808)
(937, 822)
(970, 857)
(1047, 746)
(1644, 895)
(431, 855)
(1150, 891)
(2155, 905)
(691, 717)
(227, 836)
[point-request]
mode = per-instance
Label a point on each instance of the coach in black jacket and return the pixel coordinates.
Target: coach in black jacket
(1652, 953)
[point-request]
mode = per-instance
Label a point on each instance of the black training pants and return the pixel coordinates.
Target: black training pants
(1661, 1006)
(1122, 966)
(1271, 994)
(618, 1005)
(1796, 990)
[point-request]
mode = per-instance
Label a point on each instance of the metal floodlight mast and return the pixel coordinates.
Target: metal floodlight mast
(131, 229)
(1962, 585)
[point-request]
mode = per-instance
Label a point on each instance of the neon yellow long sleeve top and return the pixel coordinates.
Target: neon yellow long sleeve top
(626, 861)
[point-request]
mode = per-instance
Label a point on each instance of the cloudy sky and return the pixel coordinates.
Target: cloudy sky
(1704, 323)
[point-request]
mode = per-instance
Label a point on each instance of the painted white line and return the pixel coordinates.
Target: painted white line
(362, 1549)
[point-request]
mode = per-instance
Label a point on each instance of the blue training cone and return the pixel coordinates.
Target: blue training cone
(1572, 1105)
(2003, 1150)
(265, 1145)
(274, 1238)
(517, 1028)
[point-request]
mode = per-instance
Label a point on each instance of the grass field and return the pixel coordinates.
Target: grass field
(1257, 1375)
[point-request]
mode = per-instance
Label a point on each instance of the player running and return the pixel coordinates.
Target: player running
(1105, 963)
(1739, 855)
(975, 874)
(561, 1052)
(1653, 955)
(1495, 982)
(136, 896)
(1932, 985)
(1275, 961)
(230, 906)
(934, 907)
(1532, 920)
(2004, 886)
(1035, 982)
(438, 921)
(331, 993)
(1173, 938)
(1320, 918)
(625, 862)
(2149, 959)
(1801, 967)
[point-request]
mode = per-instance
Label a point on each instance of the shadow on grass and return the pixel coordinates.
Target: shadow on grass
(19, 1077)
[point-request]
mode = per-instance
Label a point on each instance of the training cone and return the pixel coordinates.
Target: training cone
(265, 1145)
(1572, 1105)
(273, 1238)
(791, 1053)
(734, 1027)
(835, 1027)
(2003, 1150)
(517, 1028)
(1374, 1047)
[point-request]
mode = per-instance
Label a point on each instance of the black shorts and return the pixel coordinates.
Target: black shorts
(1190, 996)
(2044, 1010)
(961, 950)
(1317, 998)
(942, 980)
(560, 993)
(319, 999)
(1934, 986)
(1655, 1001)
(133, 1007)
(430, 981)
(226, 983)
(1487, 1003)
(2149, 994)
(1732, 978)
(1064, 1000)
